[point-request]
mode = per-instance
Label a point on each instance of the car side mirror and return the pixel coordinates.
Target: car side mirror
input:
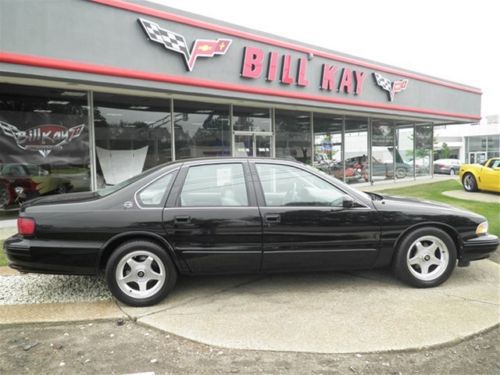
(347, 202)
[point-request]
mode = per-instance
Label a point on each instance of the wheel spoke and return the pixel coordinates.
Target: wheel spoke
(132, 264)
(424, 268)
(431, 248)
(434, 260)
(129, 278)
(152, 275)
(143, 284)
(420, 247)
(147, 262)
(415, 260)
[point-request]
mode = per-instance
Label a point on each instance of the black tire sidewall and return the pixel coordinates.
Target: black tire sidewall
(400, 266)
(127, 248)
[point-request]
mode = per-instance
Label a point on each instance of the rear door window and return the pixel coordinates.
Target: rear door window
(216, 185)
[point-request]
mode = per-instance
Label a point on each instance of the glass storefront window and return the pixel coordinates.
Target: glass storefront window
(356, 150)
(293, 136)
(44, 143)
(252, 119)
(404, 154)
(423, 150)
(132, 134)
(201, 130)
(382, 162)
(493, 146)
(328, 144)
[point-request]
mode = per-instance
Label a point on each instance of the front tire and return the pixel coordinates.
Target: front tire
(140, 273)
(426, 258)
(401, 173)
(452, 172)
(469, 182)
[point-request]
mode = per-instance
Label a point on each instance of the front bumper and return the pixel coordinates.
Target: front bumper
(479, 247)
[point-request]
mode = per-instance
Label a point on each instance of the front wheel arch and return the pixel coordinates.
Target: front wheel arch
(113, 243)
(446, 228)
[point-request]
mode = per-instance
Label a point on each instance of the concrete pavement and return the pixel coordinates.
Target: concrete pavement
(329, 312)
(366, 311)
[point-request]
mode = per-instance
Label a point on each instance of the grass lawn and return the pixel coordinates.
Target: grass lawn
(433, 192)
(3, 257)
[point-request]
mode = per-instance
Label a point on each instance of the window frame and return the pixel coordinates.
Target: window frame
(175, 201)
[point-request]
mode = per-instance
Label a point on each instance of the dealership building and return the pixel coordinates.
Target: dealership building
(93, 92)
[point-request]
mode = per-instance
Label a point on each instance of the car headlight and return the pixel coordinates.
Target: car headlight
(482, 228)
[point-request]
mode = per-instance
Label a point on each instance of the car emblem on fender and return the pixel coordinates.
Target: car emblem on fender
(176, 43)
(392, 87)
(42, 138)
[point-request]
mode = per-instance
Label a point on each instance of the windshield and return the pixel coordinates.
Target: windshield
(111, 189)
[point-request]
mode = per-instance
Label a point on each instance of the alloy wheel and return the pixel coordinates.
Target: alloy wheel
(140, 274)
(427, 258)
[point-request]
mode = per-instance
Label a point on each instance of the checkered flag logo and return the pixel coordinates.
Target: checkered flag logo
(176, 43)
(392, 87)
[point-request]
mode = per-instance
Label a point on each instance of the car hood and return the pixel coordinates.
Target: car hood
(429, 205)
(61, 199)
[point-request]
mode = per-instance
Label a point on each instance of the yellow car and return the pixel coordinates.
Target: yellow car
(484, 176)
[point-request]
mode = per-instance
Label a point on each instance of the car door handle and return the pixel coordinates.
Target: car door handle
(182, 219)
(272, 218)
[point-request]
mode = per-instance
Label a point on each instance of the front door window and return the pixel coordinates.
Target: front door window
(289, 186)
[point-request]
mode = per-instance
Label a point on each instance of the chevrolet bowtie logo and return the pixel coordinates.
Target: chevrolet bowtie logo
(176, 43)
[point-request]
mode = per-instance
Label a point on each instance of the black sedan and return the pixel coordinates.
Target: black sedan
(216, 216)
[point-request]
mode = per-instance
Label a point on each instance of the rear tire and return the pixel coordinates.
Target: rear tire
(140, 273)
(426, 258)
(469, 182)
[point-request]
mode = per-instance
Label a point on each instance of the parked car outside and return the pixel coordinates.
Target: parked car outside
(239, 215)
(484, 176)
(447, 166)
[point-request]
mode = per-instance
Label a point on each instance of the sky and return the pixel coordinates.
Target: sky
(454, 40)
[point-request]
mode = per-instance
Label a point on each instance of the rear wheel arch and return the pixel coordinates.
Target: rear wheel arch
(121, 238)
(444, 227)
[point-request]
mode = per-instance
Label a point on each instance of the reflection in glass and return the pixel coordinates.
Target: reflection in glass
(423, 150)
(356, 150)
(132, 134)
(293, 136)
(252, 119)
(383, 152)
(328, 144)
(404, 152)
(201, 130)
(44, 143)
(243, 145)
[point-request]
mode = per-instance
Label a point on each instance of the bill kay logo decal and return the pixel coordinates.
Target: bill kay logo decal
(392, 87)
(176, 43)
(42, 138)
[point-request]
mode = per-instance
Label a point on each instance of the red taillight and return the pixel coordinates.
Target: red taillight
(25, 226)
